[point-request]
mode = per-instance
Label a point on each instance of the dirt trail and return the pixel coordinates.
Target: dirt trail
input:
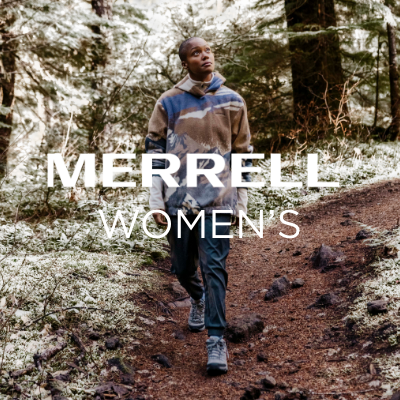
(298, 339)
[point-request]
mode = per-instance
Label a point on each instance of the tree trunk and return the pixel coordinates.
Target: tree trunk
(394, 129)
(377, 85)
(315, 60)
(103, 8)
(7, 84)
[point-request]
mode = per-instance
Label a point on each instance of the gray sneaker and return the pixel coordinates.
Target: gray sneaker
(196, 315)
(217, 356)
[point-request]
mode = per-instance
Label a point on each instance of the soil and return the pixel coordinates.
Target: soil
(299, 342)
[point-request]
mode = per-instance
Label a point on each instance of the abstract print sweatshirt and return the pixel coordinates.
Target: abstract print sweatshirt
(189, 119)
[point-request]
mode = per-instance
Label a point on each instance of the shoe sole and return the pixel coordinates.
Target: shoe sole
(216, 369)
(196, 329)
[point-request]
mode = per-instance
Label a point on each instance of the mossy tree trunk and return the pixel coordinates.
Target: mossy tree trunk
(315, 59)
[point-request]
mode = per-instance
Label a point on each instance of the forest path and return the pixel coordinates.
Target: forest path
(297, 340)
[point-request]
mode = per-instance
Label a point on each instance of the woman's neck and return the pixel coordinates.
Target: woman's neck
(206, 79)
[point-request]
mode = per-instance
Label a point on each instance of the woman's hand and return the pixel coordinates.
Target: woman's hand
(160, 219)
(235, 221)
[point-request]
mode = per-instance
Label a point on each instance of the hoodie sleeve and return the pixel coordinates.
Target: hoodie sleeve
(241, 138)
(156, 139)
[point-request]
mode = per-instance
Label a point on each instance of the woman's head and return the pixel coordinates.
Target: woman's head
(196, 56)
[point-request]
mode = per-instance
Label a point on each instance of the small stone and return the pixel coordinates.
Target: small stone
(377, 307)
(283, 385)
(262, 357)
(363, 234)
(326, 300)
(346, 223)
(297, 253)
(180, 304)
(348, 214)
(251, 346)
(251, 393)
(239, 362)
(268, 382)
(178, 289)
(162, 359)
(298, 282)
(127, 379)
(279, 396)
(240, 352)
(278, 288)
(112, 343)
(179, 335)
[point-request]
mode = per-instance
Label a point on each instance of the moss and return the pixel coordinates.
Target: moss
(102, 270)
(148, 261)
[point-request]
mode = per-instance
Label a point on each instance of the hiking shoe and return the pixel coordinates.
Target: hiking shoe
(196, 315)
(217, 356)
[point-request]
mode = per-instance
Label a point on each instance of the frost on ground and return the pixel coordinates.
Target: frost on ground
(42, 293)
(352, 164)
(65, 273)
(383, 284)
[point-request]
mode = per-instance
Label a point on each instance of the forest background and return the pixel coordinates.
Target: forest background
(76, 76)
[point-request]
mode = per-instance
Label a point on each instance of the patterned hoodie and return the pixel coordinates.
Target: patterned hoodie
(190, 119)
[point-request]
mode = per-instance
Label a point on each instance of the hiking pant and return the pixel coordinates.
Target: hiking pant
(191, 250)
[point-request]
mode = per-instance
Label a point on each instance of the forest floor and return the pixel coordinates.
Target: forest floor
(306, 349)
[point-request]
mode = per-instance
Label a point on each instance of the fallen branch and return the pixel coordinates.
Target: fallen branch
(73, 365)
(78, 341)
(21, 372)
(66, 309)
(47, 354)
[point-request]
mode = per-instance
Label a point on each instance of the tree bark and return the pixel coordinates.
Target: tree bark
(315, 59)
(394, 129)
(7, 84)
(103, 8)
(377, 85)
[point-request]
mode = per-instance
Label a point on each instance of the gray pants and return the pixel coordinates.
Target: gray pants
(190, 250)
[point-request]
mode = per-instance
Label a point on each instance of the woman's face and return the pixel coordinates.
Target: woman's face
(199, 58)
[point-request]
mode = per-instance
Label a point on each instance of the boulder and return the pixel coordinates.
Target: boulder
(278, 288)
(325, 258)
(326, 300)
(241, 328)
(363, 234)
(377, 307)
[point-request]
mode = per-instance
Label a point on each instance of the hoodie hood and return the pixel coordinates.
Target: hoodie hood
(188, 86)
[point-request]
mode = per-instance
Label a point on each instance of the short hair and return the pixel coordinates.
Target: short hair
(182, 48)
